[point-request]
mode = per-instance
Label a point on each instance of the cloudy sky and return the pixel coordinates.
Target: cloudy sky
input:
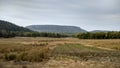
(87, 14)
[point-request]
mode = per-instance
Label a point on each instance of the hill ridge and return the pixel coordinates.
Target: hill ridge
(8, 26)
(56, 28)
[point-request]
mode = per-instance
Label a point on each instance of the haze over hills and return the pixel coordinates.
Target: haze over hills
(8, 26)
(99, 31)
(56, 28)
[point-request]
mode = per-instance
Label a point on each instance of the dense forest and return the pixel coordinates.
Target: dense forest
(99, 35)
(7, 26)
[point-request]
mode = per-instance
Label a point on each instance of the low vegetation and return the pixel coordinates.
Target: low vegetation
(40, 52)
(83, 52)
(27, 53)
(111, 44)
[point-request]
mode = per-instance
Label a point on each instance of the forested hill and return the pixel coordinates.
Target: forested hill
(56, 28)
(7, 26)
(8, 30)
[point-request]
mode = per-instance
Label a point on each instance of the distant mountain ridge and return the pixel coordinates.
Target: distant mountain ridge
(99, 31)
(8, 26)
(56, 28)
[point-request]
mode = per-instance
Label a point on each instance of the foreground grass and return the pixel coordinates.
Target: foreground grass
(51, 52)
(25, 49)
(83, 52)
(24, 53)
(80, 56)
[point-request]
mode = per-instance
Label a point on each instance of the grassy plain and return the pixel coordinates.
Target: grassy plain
(40, 52)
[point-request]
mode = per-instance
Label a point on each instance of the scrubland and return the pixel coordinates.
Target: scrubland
(40, 52)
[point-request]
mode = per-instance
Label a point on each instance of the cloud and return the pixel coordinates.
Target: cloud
(89, 14)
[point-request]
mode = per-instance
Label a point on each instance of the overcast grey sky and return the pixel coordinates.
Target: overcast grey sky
(87, 14)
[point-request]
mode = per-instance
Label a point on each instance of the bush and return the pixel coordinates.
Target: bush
(22, 56)
(34, 55)
(10, 56)
(40, 44)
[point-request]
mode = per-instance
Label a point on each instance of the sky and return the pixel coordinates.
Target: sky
(87, 14)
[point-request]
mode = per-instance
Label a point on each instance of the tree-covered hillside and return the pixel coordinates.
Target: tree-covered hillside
(8, 30)
(7, 26)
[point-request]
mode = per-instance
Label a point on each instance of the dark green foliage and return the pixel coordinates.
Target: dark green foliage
(99, 35)
(8, 34)
(7, 26)
(43, 34)
(8, 29)
(10, 56)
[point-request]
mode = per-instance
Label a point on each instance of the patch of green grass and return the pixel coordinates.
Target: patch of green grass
(83, 52)
(73, 48)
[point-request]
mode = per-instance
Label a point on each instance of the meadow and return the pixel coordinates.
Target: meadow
(41, 52)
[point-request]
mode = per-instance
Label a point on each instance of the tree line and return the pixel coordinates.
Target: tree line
(87, 35)
(8, 34)
(99, 35)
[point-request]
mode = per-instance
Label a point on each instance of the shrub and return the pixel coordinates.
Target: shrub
(22, 56)
(10, 56)
(34, 55)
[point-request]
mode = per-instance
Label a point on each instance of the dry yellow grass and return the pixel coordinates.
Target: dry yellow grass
(111, 43)
(21, 47)
(70, 63)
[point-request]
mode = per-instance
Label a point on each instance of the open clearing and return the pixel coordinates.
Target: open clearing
(22, 52)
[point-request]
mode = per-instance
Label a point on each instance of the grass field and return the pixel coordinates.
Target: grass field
(112, 44)
(40, 52)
